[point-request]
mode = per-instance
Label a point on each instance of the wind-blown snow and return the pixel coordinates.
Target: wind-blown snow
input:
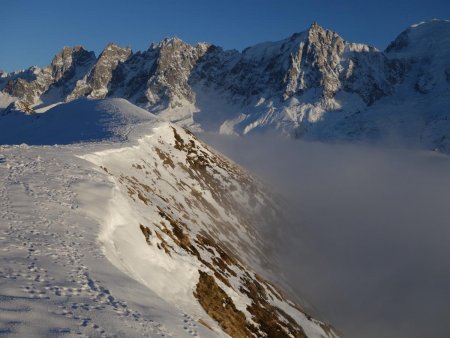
(72, 222)
(54, 276)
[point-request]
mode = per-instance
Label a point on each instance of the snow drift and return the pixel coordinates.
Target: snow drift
(180, 220)
(78, 121)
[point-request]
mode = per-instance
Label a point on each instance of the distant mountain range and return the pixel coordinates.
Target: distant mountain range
(147, 229)
(312, 85)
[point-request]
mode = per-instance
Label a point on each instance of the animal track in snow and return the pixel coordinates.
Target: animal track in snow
(44, 252)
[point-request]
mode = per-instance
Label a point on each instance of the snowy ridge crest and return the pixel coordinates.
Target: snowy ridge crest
(182, 225)
(179, 215)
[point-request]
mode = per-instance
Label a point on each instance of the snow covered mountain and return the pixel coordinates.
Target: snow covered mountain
(313, 85)
(132, 226)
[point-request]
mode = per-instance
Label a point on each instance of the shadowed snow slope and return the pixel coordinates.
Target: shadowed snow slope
(78, 121)
(145, 231)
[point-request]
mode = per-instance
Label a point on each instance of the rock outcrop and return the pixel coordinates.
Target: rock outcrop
(312, 85)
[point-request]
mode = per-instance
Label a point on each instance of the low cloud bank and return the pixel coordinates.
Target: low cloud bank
(369, 245)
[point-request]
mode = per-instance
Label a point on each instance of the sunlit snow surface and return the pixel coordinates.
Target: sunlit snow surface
(74, 260)
(54, 277)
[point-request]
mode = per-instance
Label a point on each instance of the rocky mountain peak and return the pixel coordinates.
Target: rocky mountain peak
(33, 85)
(114, 49)
(316, 28)
(169, 41)
(204, 46)
(68, 59)
(97, 82)
(315, 62)
(168, 83)
(287, 84)
(319, 35)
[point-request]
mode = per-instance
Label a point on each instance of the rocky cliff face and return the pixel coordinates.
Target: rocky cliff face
(52, 82)
(315, 63)
(164, 74)
(95, 84)
(313, 84)
(169, 81)
(317, 59)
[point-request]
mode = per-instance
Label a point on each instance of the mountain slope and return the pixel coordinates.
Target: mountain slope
(312, 85)
(76, 121)
(184, 223)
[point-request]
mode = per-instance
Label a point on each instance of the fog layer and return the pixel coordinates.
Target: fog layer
(369, 247)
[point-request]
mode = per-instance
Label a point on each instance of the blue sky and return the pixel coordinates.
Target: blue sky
(33, 31)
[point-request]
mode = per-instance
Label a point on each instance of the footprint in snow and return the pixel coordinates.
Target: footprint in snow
(190, 325)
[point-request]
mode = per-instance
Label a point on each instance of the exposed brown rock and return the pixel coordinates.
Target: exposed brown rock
(221, 269)
(220, 307)
(273, 322)
(167, 161)
(205, 324)
(146, 231)
(163, 244)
